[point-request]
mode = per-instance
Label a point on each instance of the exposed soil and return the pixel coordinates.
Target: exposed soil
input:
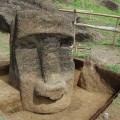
(113, 111)
(106, 55)
(84, 104)
(82, 108)
(9, 97)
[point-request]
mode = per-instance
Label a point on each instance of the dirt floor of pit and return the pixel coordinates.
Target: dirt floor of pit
(113, 111)
(84, 105)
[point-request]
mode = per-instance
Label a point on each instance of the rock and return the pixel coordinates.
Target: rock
(41, 64)
(110, 4)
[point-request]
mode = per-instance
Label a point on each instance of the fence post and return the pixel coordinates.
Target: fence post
(114, 38)
(74, 24)
(74, 30)
(90, 16)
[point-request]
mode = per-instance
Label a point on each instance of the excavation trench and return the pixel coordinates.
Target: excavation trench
(90, 97)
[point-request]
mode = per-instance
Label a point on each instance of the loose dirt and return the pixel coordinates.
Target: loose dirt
(9, 97)
(113, 111)
(84, 105)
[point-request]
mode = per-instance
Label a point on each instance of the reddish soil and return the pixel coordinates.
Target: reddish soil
(84, 105)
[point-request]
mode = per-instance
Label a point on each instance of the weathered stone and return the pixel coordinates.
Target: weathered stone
(41, 65)
(8, 10)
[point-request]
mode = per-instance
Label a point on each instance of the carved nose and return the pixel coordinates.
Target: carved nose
(54, 85)
(52, 91)
(50, 59)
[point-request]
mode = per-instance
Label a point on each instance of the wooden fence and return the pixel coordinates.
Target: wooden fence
(114, 29)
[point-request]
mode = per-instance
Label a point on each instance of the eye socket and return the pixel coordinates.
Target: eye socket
(65, 41)
(31, 41)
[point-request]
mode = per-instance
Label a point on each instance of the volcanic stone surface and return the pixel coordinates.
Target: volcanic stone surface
(41, 63)
(8, 9)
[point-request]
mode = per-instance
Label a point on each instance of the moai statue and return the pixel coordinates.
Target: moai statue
(41, 63)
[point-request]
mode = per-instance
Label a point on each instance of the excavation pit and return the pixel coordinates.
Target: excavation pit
(85, 104)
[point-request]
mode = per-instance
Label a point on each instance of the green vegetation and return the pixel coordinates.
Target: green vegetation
(118, 41)
(2, 33)
(117, 100)
(81, 54)
(95, 20)
(100, 42)
(87, 5)
(114, 68)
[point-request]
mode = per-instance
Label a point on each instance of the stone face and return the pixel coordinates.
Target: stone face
(41, 64)
(8, 10)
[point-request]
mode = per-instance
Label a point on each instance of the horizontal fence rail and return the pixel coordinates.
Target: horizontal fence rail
(114, 29)
(107, 28)
(90, 13)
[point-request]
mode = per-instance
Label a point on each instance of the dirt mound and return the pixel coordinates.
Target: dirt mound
(95, 78)
(110, 4)
(82, 108)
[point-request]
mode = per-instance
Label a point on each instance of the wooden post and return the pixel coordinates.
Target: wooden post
(114, 38)
(117, 22)
(74, 26)
(90, 16)
(75, 48)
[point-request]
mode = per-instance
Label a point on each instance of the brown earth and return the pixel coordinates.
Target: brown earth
(84, 105)
(113, 110)
(9, 97)
(82, 108)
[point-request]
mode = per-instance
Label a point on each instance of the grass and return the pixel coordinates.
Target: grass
(118, 41)
(4, 42)
(96, 20)
(114, 68)
(81, 54)
(100, 42)
(2, 34)
(86, 4)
